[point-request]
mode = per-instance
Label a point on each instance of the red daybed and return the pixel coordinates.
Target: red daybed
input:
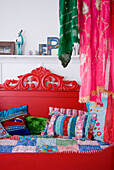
(39, 90)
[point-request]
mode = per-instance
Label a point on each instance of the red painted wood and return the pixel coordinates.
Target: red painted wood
(38, 102)
(40, 79)
(49, 90)
(58, 161)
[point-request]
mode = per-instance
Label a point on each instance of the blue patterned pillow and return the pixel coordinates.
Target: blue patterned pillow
(13, 112)
(3, 132)
(13, 120)
(98, 131)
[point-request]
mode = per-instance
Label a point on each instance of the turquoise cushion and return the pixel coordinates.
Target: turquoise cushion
(13, 112)
(13, 120)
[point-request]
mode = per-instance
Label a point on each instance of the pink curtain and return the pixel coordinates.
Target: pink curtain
(96, 47)
(109, 122)
(113, 19)
(109, 119)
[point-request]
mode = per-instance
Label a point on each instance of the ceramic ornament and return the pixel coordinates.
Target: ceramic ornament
(19, 43)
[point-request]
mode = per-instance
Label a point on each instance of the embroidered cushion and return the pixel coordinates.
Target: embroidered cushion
(13, 112)
(35, 124)
(100, 112)
(3, 132)
(13, 120)
(16, 126)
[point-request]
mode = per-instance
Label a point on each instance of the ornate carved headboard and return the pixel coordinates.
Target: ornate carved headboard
(39, 90)
(40, 79)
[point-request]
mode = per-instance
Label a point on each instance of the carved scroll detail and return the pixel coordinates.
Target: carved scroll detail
(40, 79)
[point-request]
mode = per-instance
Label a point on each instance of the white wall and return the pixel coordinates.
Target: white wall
(10, 68)
(39, 19)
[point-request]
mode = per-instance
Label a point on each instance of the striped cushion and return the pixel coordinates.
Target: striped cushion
(71, 126)
(73, 112)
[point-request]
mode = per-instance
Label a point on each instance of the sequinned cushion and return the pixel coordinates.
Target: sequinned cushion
(13, 120)
(35, 124)
(3, 132)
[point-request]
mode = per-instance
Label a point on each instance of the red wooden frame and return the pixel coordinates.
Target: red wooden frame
(48, 90)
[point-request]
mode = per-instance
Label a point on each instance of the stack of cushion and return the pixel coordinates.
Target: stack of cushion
(15, 121)
(63, 122)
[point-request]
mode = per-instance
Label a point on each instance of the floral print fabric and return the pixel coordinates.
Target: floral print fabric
(98, 130)
(3, 132)
(50, 130)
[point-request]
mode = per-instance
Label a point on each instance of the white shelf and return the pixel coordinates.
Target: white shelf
(31, 56)
(26, 56)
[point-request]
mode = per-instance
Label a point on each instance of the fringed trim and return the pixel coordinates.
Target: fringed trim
(100, 89)
(84, 99)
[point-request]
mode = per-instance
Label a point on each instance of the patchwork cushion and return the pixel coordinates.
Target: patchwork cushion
(3, 132)
(13, 120)
(35, 124)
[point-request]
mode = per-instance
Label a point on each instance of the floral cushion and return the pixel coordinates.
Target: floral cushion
(3, 132)
(98, 130)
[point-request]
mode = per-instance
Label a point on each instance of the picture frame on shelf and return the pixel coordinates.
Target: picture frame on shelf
(7, 48)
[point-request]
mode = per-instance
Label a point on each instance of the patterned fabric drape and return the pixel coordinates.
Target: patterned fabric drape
(113, 19)
(109, 122)
(68, 29)
(109, 119)
(96, 48)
